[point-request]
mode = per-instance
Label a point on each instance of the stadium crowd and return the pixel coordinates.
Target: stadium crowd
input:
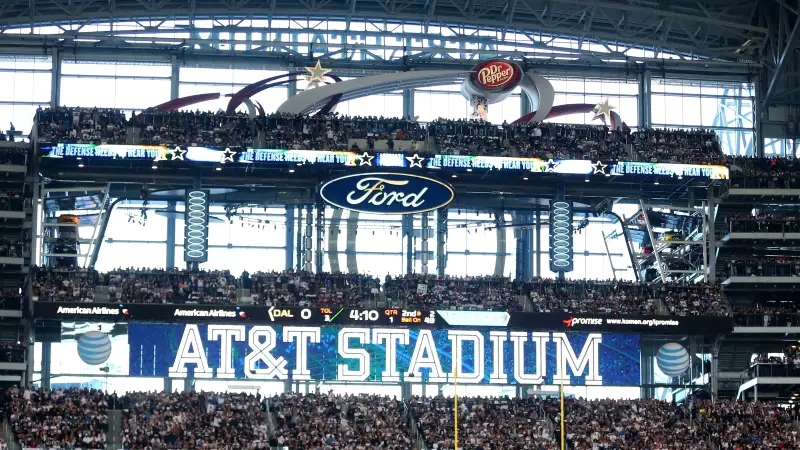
(301, 289)
(678, 146)
(544, 141)
(754, 266)
(621, 297)
(82, 125)
(328, 421)
(763, 223)
(196, 129)
(72, 418)
(484, 423)
(12, 248)
(10, 299)
(77, 418)
(465, 293)
(193, 420)
(764, 173)
(305, 289)
(336, 132)
(13, 155)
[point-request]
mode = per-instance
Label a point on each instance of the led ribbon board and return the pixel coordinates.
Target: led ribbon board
(387, 193)
(277, 157)
(195, 218)
(561, 236)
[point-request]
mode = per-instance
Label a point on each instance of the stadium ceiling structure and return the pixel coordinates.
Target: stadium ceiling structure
(721, 36)
(716, 29)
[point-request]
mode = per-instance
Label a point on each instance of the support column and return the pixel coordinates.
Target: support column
(408, 232)
(168, 385)
(524, 245)
(759, 114)
(291, 88)
(645, 100)
(715, 367)
(500, 235)
(524, 105)
(408, 103)
(55, 77)
(175, 78)
(424, 237)
(441, 241)
(711, 267)
(289, 249)
(538, 241)
(46, 357)
(170, 241)
(308, 243)
(320, 229)
(298, 245)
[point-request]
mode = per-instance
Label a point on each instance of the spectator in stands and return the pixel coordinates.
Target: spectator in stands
(16, 156)
(755, 266)
(678, 146)
(763, 223)
(192, 420)
(63, 284)
(72, 418)
(620, 297)
(305, 289)
(501, 423)
(82, 126)
(172, 286)
(764, 173)
(328, 421)
(467, 293)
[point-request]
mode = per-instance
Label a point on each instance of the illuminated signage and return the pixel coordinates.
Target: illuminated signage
(495, 75)
(387, 193)
(277, 157)
(196, 226)
(261, 352)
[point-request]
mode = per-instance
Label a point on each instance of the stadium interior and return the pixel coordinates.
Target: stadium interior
(411, 224)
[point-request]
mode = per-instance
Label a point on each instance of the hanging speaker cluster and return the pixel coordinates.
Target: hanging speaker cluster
(196, 226)
(561, 236)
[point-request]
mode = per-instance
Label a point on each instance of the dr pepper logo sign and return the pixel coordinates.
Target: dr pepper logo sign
(496, 74)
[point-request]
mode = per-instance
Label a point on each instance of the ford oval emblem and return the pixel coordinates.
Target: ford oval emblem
(387, 193)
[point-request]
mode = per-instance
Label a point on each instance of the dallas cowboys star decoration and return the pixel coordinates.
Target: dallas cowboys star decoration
(177, 154)
(599, 168)
(551, 165)
(366, 159)
(228, 155)
(415, 161)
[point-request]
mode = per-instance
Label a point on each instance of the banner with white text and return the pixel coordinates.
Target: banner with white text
(226, 351)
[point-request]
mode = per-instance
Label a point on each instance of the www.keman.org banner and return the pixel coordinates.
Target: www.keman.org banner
(260, 352)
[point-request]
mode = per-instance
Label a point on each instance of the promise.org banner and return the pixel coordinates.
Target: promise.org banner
(227, 351)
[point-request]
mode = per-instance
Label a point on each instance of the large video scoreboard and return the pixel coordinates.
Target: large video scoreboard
(386, 317)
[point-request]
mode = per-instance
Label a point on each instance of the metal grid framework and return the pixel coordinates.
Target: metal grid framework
(712, 29)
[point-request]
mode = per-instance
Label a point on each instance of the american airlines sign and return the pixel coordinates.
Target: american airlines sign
(387, 193)
(264, 352)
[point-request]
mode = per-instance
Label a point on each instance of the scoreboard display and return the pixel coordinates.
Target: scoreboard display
(382, 317)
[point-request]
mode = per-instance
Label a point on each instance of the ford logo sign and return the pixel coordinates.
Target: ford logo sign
(387, 193)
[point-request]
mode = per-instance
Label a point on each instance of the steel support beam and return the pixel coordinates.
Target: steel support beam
(788, 50)
(175, 78)
(170, 242)
(289, 237)
(424, 240)
(441, 241)
(55, 77)
(408, 103)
